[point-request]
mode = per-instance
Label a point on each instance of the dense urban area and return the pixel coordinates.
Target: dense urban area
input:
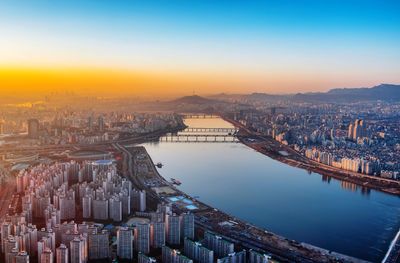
(77, 187)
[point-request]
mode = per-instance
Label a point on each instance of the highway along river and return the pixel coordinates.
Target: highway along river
(285, 200)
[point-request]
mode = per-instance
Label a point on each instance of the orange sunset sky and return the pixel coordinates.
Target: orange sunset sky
(154, 50)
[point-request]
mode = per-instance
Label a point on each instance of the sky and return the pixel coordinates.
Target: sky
(170, 48)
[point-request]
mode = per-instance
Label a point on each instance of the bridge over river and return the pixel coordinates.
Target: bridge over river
(219, 135)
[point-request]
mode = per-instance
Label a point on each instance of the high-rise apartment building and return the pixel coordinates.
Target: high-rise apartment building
(157, 234)
(173, 229)
(62, 254)
(170, 255)
(198, 252)
(142, 238)
(188, 225)
(220, 246)
(125, 243)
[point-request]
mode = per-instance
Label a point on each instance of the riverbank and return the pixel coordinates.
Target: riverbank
(242, 233)
(274, 150)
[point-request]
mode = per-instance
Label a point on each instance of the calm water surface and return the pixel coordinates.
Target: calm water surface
(286, 200)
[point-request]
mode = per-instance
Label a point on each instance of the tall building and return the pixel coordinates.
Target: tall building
(47, 256)
(142, 238)
(235, 257)
(98, 245)
(33, 128)
(157, 234)
(188, 225)
(220, 246)
(1, 128)
(257, 257)
(100, 209)
(170, 255)
(198, 252)
(87, 206)
(125, 243)
(173, 227)
(115, 209)
(142, 258)
(90, 123)
(62, 254)
(139, 200)
(357, 130)
(5, 232)
(101, 123)
(77, 250)
(22, 257)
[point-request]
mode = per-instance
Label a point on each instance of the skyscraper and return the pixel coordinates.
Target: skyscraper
(62, 254)
(142, 238)
(256, 257)
(142, 258)
(173, 226)
(101, 123)
(188, 225)
(76, 248)
(357, 130)
(125, 243)
(170, 255)
(220, 246)
(47, 256)
(33, 128)
(196, 251)
(98, 245)
(157, 234)
(22, 257)
(235, 257)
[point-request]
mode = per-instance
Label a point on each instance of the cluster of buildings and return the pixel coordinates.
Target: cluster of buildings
(359, 137)
(41, 223)
(369, 167)
(50, 196)
(165, 230)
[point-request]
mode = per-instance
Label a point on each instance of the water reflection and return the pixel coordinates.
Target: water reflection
(289, 201)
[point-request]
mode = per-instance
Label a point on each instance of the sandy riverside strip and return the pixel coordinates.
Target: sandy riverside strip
(381, 184)
(282, 248)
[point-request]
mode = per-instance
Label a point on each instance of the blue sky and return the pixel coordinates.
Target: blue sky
(337, 43)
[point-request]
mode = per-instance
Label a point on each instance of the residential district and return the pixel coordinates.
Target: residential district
(76, 186)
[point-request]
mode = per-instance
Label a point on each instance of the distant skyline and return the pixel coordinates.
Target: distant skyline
(172, 48)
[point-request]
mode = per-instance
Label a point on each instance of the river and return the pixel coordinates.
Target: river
(288, 201)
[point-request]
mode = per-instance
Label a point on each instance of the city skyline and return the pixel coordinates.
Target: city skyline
(163, 50)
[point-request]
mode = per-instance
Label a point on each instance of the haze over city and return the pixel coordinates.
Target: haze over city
(200, 131)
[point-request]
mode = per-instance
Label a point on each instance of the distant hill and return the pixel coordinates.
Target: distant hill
(195, 99)
(387, 92)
